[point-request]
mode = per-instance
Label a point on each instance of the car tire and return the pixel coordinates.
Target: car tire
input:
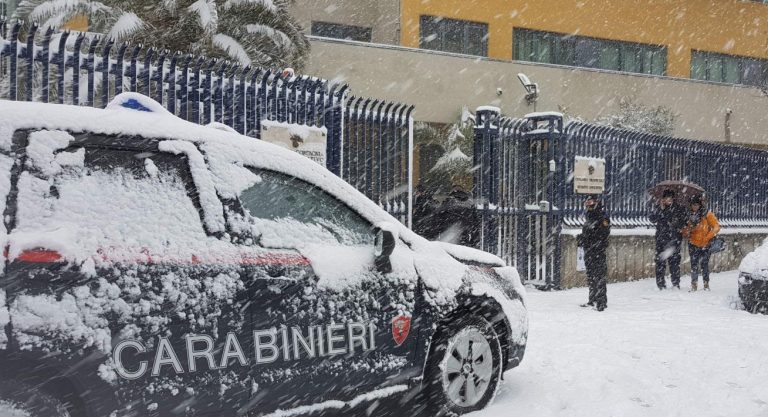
(18, 399)
(458, 379)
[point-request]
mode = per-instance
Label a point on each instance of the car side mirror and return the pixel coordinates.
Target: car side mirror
(384, 245)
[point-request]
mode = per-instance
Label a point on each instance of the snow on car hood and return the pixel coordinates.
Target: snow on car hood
(756, 262)
(467, 254)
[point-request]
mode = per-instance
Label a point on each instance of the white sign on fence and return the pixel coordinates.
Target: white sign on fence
(589, 175)
(309, 141)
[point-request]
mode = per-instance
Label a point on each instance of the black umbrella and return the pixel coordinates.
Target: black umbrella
(683, 190)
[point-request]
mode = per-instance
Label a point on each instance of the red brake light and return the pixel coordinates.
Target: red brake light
(39, 256)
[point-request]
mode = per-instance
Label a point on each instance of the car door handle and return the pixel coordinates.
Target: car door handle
(275, 271)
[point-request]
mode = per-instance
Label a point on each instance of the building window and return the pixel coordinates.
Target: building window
(581, 51)
(339, 31)
(731, 69)
(450, 35)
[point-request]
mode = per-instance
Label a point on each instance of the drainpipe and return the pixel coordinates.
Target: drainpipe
(398, 40)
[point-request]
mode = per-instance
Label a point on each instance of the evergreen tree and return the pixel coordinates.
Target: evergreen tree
(659, 120)
(455, 144)
(250, 32)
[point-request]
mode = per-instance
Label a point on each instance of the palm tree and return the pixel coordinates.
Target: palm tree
(251, 32)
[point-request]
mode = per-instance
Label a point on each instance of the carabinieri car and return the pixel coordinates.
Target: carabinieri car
(753, 280)
(156, 267)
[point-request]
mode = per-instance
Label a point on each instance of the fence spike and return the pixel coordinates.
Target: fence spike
(13, 68)
(29, 56)
(91, 68)
(61, 61)
(76, 68)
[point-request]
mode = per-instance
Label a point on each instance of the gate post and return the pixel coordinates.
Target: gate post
(485, 186)
(544, 184)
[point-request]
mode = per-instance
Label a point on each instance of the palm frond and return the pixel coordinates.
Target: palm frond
(232, 48)
(266, 4)
(278, 37)
(207, 15)
(125, 26)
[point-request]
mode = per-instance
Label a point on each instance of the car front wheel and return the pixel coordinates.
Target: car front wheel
(464, 368)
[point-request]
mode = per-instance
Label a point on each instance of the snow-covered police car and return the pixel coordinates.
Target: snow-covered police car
(753, 280)
(157, 267)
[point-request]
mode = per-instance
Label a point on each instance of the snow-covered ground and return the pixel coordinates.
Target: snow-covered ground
(650, 354)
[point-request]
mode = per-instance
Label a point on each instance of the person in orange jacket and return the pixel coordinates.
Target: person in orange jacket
(701, 229)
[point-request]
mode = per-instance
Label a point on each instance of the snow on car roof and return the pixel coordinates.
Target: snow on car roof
(132, 114)
(158, 123)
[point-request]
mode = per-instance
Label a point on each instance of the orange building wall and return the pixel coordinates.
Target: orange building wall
(726, 26)
(79, 23)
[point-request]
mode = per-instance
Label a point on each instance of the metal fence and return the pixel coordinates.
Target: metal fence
(735, 178)
(378, 138)
(368, 145)
(524, 182)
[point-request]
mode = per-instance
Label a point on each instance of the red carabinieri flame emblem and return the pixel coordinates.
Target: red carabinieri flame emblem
(401, 325)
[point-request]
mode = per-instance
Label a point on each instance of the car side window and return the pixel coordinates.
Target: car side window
(287, 202)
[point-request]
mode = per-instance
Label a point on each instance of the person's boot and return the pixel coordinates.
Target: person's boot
(706, 286)
(589, 304)
(694, 284)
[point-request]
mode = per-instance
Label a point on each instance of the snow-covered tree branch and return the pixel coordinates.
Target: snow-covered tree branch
(250, 32)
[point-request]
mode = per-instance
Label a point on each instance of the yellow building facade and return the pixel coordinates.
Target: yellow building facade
(730, 27)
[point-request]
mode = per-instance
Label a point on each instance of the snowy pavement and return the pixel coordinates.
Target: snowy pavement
(650, 354)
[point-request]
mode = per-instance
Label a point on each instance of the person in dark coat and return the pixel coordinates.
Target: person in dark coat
(424, 216)
(669, 218)
(594, 239)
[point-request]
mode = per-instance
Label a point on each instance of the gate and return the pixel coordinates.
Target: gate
(370, 146)
(517, 191)
(735, 177)
(525, 189)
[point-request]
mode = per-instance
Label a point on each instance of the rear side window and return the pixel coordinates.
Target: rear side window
(86, 199)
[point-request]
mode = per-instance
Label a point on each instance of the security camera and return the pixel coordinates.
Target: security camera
(499, 91)
(531, 89)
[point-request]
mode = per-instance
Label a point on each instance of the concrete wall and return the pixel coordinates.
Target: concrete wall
(632, 257)
(382, 16)
(440, 84)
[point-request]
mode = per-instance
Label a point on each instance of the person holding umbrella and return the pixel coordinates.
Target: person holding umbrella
(701, 229)
(669, 219)
(594, 239)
